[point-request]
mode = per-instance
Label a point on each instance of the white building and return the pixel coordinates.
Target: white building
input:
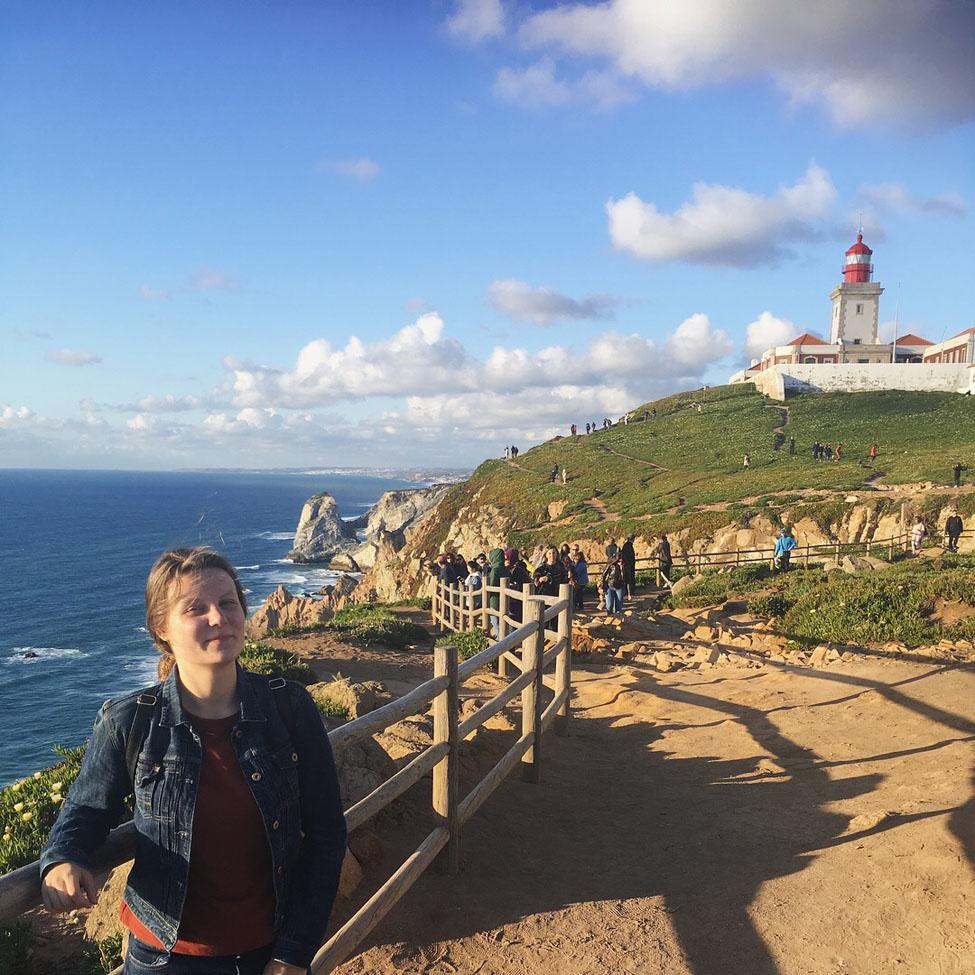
(854, 358)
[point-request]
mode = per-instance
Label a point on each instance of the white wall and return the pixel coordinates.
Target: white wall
(851, 377)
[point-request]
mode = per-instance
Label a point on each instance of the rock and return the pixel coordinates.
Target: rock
(832, 654)
(344, 562)
(281, 611)
(707, 655)
(683, 583)
(854, 563)
(555, 509)
(321, 532)
(362, 768)
(337, 593)
(397, 511)
(351, 875)
(818, 658)
(356, 699)
(403, 741)
(704, 633)
(665, 662)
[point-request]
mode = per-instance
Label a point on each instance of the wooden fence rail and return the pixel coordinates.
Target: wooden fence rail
(20, 889)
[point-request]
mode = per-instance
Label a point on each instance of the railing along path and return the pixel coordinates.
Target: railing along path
(529, 644)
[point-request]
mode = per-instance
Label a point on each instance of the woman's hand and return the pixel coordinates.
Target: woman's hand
(66, 887)
(282, 968)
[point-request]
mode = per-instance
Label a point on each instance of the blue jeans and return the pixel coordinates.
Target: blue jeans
(614, 600)
(141, 959)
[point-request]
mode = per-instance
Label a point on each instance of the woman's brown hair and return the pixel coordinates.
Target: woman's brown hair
(170, 567)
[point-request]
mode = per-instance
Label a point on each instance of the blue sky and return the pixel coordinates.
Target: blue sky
(409, 233)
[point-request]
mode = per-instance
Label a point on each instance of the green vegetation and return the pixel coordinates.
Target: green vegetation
(260, 658)
(332, 709)
(372, 623)
(468, 642)
(17, 941)
(895, 604)
(684, 470)
(414, 602)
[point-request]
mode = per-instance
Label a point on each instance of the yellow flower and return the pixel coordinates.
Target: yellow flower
(27, 817)
(37, 775)
(56, 786)
(6, 837)
(18, 806)
(16, 787)
(57, 797)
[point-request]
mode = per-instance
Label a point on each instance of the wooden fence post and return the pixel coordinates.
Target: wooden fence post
(836, 548)
(445, 772)
(485, 617)
(563, 662)
(532, 651)
(502, 626)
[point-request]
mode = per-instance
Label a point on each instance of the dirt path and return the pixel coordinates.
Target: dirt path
(779, 431)
(773, 822)
(635, 460)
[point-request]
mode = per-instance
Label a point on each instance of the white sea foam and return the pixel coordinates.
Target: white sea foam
(249, 568)
(276, 536)
(141, 629)
(40, 654)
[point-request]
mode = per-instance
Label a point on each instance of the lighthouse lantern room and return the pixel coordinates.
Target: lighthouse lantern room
(856, 302)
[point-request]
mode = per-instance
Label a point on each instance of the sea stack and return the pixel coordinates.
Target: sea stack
(321, 532)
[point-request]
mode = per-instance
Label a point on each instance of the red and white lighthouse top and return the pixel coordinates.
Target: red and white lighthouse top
(857, 268)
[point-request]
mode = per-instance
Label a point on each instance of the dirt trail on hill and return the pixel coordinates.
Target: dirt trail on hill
(785, 821)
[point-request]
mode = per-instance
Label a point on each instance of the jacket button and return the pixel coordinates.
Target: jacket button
(238, 733)
(256, 776)
(275, 825)
(280, 870)
(294, 756)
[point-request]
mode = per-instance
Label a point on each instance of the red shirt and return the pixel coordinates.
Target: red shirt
(229, 906)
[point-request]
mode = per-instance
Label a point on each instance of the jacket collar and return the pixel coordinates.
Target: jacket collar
(249, 690)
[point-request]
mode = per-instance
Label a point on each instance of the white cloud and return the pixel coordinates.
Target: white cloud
(876, 61)
(149, 293)
(543, 306)
(897, 198)
(538, 86)
(474, 21)
(362, 169)
(72, 357)
(213, 279)
(694, 340)
(723, 224)
(767, 331)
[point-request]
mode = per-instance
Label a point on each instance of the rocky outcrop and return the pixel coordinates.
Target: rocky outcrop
(281, 610)
(397, 511)
(321, 532)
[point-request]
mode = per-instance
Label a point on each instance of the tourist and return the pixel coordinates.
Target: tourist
(792, 445)
(653, 414)
(747, 461)
(238, 815)
(496, 572)
(538, 557)
(514, 451)
(953, 530)
(565, 475)
(665, 560)
(918, 531)
(588, 428)
(613, 584)
(446, 570)
(784, 545)
(518, 576)
(816, 450)
(646, 415)
(838, 452)
(628, 557)
(611, 549)
(956, 471)
(873, 454)
(573, 429)
(507, 450)
(554, 476)
(827, 453)
(482, 563)
(580, 577)
(550, 574)
(473, 584)
(564, 552)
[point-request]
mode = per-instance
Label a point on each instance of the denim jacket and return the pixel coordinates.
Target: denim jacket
(293, 781)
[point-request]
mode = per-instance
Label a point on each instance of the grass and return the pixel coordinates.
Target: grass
(260, 658)
(368, 624)
(698, 456)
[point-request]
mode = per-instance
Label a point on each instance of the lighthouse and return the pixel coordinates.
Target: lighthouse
(856, 303)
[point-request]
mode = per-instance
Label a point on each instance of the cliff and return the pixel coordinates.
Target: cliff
(682, 474)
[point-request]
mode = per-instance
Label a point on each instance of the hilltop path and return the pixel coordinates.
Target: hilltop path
(786, 821)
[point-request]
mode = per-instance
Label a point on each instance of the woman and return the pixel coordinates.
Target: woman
(239, 825)
(580, 577)
(918, 531)
(613, 583)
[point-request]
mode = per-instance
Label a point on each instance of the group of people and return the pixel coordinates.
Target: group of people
(510, 453)
(954, 526)
(827, 452)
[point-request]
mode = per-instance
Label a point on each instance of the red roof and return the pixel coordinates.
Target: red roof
(966, 331)
(859, 247)
(912, 340)
(807, 338)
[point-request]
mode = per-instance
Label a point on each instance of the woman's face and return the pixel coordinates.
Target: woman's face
(205, 623)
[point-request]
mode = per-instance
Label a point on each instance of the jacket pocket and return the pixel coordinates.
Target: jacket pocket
(153, 791)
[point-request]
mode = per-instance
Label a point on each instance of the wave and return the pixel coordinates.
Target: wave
(141, 629)
(251, 568)
(275, 536)
(33, 655)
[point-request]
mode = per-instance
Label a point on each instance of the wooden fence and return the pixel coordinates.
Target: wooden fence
(532, 646)
(692, 562)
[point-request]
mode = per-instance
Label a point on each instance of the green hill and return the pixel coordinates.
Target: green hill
(684, 469)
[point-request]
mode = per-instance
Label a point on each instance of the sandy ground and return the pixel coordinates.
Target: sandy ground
(771, 822)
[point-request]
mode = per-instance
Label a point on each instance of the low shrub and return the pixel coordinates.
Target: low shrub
(368, 623)
(414, 602)
(332, 709)
(28, 809)
(260, 658)
(468, 643)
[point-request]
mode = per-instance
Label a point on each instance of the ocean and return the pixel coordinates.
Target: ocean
(75, 549)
